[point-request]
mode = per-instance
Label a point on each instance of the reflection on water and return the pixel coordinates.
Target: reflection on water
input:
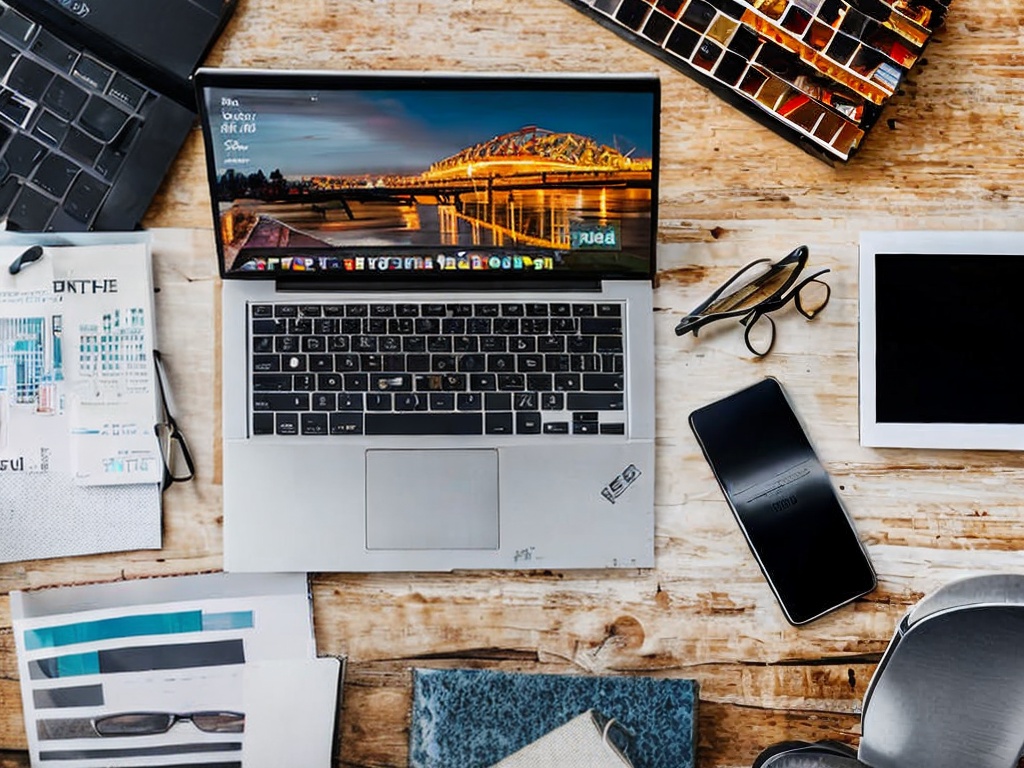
(537, 218)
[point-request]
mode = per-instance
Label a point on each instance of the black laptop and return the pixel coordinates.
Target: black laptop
(95, 102)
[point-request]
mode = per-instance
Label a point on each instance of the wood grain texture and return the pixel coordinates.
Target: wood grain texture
(945, 155)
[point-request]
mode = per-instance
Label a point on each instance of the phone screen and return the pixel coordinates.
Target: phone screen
(783, 500)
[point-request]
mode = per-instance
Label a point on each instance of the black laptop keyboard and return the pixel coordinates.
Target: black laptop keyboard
(444, 369)
(66, 124)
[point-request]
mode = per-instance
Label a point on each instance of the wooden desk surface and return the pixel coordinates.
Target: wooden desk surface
(944, 155)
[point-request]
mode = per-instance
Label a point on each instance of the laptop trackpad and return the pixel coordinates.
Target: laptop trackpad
(436, 499)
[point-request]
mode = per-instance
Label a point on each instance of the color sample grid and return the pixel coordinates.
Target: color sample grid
(817, 71)
(124, 682)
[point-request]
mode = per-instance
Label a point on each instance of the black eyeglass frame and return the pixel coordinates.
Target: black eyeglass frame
(170, 426)
(788, 291)
(171, 719)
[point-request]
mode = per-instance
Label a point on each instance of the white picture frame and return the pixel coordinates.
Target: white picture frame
(876, 245)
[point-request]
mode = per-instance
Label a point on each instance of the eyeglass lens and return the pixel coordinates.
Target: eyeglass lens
(176, 457)
(760, 334)
(812, 297)
(755, 290)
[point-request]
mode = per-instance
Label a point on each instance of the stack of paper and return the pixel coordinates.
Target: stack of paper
(214, 669)
(80, 465)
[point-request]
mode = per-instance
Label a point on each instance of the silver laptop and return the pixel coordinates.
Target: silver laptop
(438, 345)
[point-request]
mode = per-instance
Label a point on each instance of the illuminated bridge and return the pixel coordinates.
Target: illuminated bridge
(533, 150)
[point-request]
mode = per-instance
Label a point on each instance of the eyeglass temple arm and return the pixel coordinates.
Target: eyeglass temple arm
(186, 454)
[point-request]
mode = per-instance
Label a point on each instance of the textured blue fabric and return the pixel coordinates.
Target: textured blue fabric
(472, 718)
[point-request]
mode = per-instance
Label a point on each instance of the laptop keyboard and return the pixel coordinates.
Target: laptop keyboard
(433, 368)
(66, 124)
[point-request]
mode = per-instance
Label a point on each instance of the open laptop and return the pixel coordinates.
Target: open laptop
(438, 342)
(95, 102)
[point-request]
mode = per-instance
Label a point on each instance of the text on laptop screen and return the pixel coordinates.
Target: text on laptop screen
(429, 179)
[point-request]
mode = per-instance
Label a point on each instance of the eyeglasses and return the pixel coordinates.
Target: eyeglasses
(178, 465)
(149, 723)
(757, 290)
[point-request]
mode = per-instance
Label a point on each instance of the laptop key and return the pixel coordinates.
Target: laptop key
(442, 401)
(29, 78)
(23, 154)
(81, 146)
(50, 128)
(350, 401)
(271, 382)
(600, 326)
(126, 91)
(263, 423)
(8, 191)
(330, 382)
(594, 401)
(603, 382)
(92, 73)
(528, 423)
(286, 344)
(342, 423)
(55, 175)
(109, 163)
(469, 401)
(16, 27)
(552, 401)
(410, 401)
(498, 401)
(390, 382)
(425, 423)
(30, 211)
(266, 363)
(314, 423)
(287, 423)
(84, 197)
(498, 424)
(102, 119)
(14, 107)
(64, 98)
(276, 401)
(7, 57)
(378, 401)
(52, 49)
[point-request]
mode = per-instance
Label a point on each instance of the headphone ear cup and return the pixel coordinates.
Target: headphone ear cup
(804, 754)
(837, 748)
(812, 758)
(777, 749)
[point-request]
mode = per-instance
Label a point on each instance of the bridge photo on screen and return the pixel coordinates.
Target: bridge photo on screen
(433, 180)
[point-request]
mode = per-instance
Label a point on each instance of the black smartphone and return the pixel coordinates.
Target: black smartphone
(784, 501)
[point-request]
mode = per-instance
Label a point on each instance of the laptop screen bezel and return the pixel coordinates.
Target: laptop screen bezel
(252, 79)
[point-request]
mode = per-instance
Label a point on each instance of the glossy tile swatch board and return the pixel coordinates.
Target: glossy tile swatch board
(816, 71)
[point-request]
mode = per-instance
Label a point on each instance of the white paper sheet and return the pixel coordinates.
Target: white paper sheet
(77, 380)
(182, 651)
(290, 711)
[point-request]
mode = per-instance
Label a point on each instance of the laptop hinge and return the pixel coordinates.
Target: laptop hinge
(448, 286)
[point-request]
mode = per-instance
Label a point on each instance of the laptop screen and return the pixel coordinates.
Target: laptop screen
(387, 176)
